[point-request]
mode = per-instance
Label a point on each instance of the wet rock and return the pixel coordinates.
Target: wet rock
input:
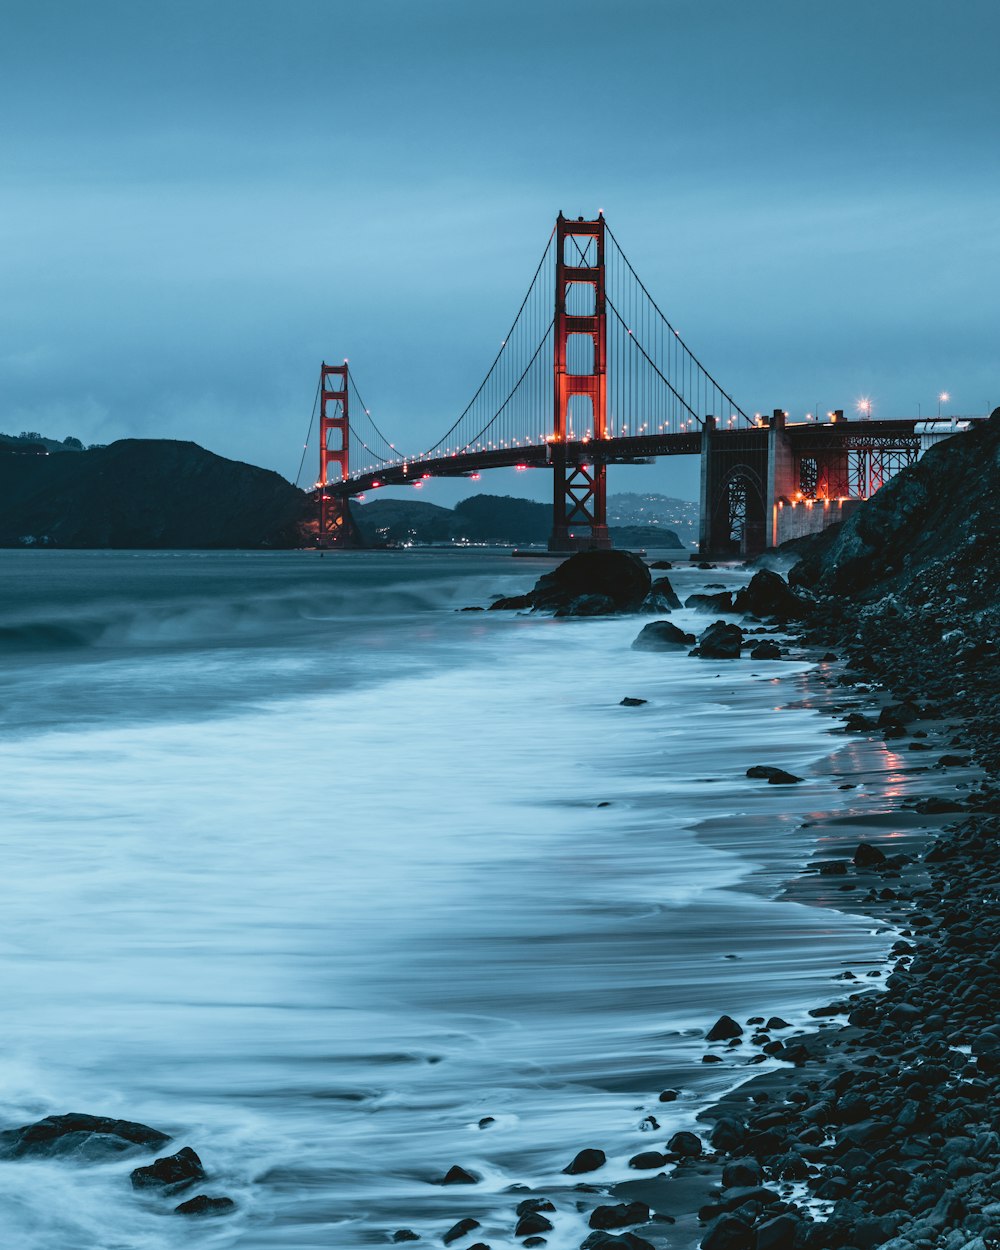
(720, 642)
(647, 1160)
(89, 1138)
(721, 602)
(727, 1135)
(532, 1241)
(778, 1233)
(619, 575)
(628, 701)
(533, 1204)
(602, 1240)
(776, 1022)
(832, 868)
(661, 564)
(687, 1145)
(460, 1229)
(588, 1160)
(459, 1176)
(405, 1234)
(729, 1232)
(202, 1204)
(662, 636)
(669, 1095)
(511, 603)
(171, 1173)
(774, 776)
(487, 1120)
(766, 650)
(588, 605)
(619, 1216)
(741, 1174)
(662, 588)
(723, 1029)
(532, 1222)
(869, 856)
(767, 594)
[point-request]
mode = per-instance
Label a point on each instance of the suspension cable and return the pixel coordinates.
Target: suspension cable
(312, 422)
(666, 319)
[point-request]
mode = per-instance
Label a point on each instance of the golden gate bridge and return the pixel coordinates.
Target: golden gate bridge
(592, 373)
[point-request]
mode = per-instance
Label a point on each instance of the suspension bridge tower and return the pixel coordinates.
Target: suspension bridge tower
(579, 491)
(336, 525)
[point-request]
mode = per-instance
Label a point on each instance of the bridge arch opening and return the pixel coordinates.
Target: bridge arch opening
(581, 353)
(580, 251)
(581, 299)
(739, 524)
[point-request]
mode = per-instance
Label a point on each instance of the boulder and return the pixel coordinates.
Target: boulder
(722, 602)
(460, 1230)
(777, 1233)
(511, 603)
(767, 594)
(533, 1204)
(773, 776)
(646, 1160)
(405, 1234)
(662, 636)
(171, 1173)
(655, 605)
(531, 1223)
(628, 701)
(723, 1029)
(687, 1145)
(661, 586)
(588, 1160)
(619, 575)
(87, 1137)
(619, 1216)
(741, 1174)
(601, 1240)
(729, 1232)
(869, 856)
(459, 1176)
(720, 642)
(766, 650)
(202, 1204)
(588, 605)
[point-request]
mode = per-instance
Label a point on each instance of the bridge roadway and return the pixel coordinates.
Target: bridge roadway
(805, 436)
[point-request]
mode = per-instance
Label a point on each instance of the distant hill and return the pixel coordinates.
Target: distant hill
(398, 522)
(679, 515)
(500, 520)
(145, 493)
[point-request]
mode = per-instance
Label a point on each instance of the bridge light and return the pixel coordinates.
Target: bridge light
(475, 477)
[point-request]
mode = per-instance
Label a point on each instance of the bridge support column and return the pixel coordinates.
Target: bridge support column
(579, 490)
(336, 525)
(705, 495)
(781, 474)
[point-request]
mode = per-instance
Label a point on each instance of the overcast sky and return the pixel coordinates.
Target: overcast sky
(201, 200)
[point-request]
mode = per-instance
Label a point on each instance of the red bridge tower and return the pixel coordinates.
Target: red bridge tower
(579, 494)
(336, 525)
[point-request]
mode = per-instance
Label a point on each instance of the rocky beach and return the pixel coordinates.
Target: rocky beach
(869, 1119)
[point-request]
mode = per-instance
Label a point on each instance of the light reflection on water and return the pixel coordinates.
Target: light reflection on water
(320, 894)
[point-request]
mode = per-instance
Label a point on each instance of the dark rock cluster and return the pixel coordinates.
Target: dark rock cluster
(79, 1138)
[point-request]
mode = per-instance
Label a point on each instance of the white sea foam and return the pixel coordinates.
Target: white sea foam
(319, 897)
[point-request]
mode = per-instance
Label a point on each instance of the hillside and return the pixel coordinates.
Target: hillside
(484, 519)
(144, 493)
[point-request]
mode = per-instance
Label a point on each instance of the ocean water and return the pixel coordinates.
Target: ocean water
(315, 872)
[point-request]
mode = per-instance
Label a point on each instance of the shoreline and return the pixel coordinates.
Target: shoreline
(870, 1136)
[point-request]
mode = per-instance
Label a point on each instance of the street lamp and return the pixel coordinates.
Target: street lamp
(942, 399)
(864, 407)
